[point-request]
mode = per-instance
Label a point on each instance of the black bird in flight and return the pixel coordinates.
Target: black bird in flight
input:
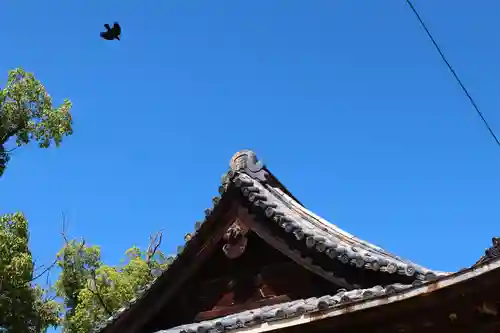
(112, 33)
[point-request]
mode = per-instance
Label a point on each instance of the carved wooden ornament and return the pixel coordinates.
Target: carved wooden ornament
(235, 240)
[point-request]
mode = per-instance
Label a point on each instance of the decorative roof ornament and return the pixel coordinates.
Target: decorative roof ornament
(236, 240)
(246, 161)
(491, 253)
(494, 251)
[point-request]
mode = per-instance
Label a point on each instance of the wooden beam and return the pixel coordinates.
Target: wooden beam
(281, 246)
(225, 311)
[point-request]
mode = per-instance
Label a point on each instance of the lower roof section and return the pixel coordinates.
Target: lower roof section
(294, 309)
(305, 311)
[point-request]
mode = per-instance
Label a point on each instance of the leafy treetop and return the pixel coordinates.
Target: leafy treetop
(27, 114)
(92, 291)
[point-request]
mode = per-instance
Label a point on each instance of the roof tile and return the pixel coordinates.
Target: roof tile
(285, 310)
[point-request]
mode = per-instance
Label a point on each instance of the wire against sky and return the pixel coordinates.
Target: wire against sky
(453, 72)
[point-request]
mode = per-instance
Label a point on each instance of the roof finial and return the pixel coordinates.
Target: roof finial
(246, 161)
(239, 160)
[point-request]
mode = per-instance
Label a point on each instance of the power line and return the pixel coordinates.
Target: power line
(453, 72)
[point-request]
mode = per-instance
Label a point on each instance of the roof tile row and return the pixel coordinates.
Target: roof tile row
(285, 310)
(348, 251)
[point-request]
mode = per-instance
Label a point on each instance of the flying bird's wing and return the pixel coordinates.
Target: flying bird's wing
(107, 27)
(107, 35)
(117, 28)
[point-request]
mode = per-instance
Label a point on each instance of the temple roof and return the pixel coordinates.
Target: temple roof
(271, 199)
(303, 311)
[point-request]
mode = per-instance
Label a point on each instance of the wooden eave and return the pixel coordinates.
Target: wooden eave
(466, 301)
(196, 248)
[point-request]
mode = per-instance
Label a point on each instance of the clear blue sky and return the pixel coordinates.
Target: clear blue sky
(346, 101)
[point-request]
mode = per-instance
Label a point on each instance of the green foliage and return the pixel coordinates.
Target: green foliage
(27, 114)
(24, 308)
(92, 291)
(88, 289)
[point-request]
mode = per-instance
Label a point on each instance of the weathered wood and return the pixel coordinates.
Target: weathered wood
(281, 246)
(236, 240)
(255, 284)
(471, 306)
(224, 285)
(224, 311)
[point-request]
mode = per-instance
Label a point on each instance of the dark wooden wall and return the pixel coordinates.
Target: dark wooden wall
(261, 276)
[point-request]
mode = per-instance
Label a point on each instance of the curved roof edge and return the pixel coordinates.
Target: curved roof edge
(263, 190)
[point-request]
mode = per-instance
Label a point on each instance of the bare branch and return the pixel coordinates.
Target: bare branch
(8, 151)
(154, 243)
(63, 229)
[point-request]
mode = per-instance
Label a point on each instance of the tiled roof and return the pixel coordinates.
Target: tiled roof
(334, 243)
(284, 310)
(317, 233)
(293, 313)
(279, 206)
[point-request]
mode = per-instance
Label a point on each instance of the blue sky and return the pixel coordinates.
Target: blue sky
(346, 101)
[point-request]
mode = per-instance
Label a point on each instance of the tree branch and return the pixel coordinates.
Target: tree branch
(98, 294)
(47, 269)
(154, 243)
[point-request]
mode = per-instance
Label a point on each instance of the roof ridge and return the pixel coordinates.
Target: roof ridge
(332, 245)
(330, 227)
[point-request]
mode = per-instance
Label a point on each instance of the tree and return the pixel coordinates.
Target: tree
(24, 307)
(89, 290)
(27, 114)
(92, 291)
